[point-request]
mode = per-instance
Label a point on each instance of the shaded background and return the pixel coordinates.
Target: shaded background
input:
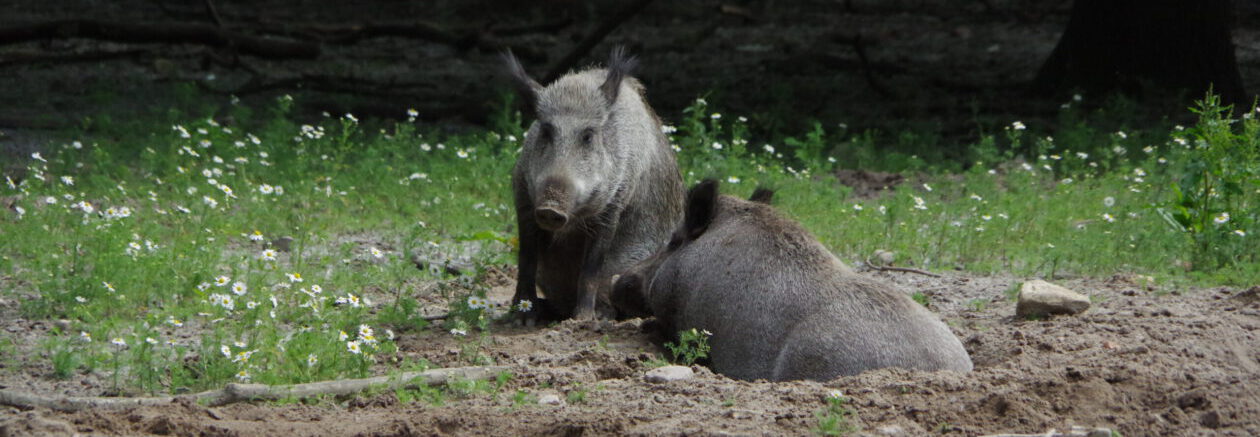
(947, 70)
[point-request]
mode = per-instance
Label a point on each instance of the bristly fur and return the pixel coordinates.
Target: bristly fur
(779, 304)
(594, 155)
(620, 65)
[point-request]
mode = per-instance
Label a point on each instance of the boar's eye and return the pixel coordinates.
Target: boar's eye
(588, 136)
(546, 134)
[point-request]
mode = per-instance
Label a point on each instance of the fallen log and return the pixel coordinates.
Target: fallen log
(253, 392)
(160, 33)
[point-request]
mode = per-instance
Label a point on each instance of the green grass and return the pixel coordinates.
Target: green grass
(146, 273)
(834, 420)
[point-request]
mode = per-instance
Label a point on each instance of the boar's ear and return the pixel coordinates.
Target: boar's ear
(762, 195)
(619, 66)
(526, 86)
(701, 207)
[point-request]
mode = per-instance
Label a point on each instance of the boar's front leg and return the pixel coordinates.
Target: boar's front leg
(593, 282)
(530, 240)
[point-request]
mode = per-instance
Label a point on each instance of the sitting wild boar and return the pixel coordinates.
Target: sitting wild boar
(596, 188)
(779, 305)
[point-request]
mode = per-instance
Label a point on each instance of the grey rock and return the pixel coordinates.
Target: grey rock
(669, 373)
(883, 257)
(894, 430)
(1040, 298)
(550, 399)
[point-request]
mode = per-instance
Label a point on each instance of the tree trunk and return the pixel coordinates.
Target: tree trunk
(1122, 45)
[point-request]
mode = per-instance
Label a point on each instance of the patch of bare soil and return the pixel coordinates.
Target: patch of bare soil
(868, 184)
(1140, 362)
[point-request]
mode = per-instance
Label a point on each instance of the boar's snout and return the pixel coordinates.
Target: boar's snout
(628, 296)
(555, 203)
(550, 219)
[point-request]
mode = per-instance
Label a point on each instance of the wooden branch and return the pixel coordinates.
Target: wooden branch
(571, 59)
(149, 33)
(906, 270)
(253, 392)
(899, 269)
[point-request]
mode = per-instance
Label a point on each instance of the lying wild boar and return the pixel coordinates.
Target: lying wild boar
(596, 188)
(779, 305)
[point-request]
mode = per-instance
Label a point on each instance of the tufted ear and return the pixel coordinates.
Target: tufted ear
(762, 195)
(526, 86)
(620, 65)
(701, 207)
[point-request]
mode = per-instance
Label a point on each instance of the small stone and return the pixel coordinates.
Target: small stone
(669, 373)
(550, 399)
(883, 257)
(62, 324)
(283, 244)
(1041, 298)
(894, 430)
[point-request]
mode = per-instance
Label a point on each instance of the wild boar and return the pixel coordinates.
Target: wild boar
(596, 188)
(779, 305)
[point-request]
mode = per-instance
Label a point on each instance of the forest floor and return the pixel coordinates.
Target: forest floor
(1141, 361)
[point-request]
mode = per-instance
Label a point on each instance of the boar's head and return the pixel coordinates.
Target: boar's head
(573, 161)
(632, 293)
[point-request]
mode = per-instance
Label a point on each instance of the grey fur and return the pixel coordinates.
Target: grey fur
(780, 306)
(596, 188)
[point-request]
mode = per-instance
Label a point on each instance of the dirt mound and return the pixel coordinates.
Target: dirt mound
(868, 184)
(1139, 362)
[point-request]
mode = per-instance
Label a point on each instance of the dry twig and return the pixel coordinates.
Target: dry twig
(899, 269)
(253, 392)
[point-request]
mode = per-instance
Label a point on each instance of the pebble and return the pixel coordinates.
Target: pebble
(550, 399)
(893, 430)
(669, 373)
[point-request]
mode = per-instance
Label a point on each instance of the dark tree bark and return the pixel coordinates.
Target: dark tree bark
(1174, 45)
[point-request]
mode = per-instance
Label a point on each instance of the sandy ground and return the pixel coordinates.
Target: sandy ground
(1140, 361)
